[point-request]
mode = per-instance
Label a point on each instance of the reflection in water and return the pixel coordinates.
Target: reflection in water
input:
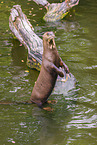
(52, 131)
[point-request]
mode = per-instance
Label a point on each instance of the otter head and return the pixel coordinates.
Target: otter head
(48, 40)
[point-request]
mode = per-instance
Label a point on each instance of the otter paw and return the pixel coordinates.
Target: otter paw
(51, 101)
(48, 108)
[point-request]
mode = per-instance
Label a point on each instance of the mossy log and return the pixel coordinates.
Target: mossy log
(57, 11)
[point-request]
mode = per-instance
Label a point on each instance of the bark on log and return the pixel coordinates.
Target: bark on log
(57, 11)
(23, 30)
(41, 2)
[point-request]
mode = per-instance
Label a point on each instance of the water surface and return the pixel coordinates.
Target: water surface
(74, 117)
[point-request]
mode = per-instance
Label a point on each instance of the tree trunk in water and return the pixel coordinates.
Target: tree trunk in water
(57, 11)
(23, 30)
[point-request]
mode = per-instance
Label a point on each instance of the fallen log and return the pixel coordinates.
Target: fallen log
(57, 11)
(24, 32)
(41, 2)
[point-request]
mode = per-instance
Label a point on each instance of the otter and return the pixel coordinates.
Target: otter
(49, 72)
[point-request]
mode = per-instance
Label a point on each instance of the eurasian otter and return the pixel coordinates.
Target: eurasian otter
(51, 62)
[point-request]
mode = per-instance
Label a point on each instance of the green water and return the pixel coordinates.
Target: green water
(74, 117)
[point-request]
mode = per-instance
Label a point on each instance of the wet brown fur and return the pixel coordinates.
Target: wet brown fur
(49, 71)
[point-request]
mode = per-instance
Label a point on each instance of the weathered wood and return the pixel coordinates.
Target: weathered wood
(41, 2)
(15, 103)
(57, 11)
(23, 30)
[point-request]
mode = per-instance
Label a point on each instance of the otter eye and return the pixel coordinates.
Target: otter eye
(47, 34)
